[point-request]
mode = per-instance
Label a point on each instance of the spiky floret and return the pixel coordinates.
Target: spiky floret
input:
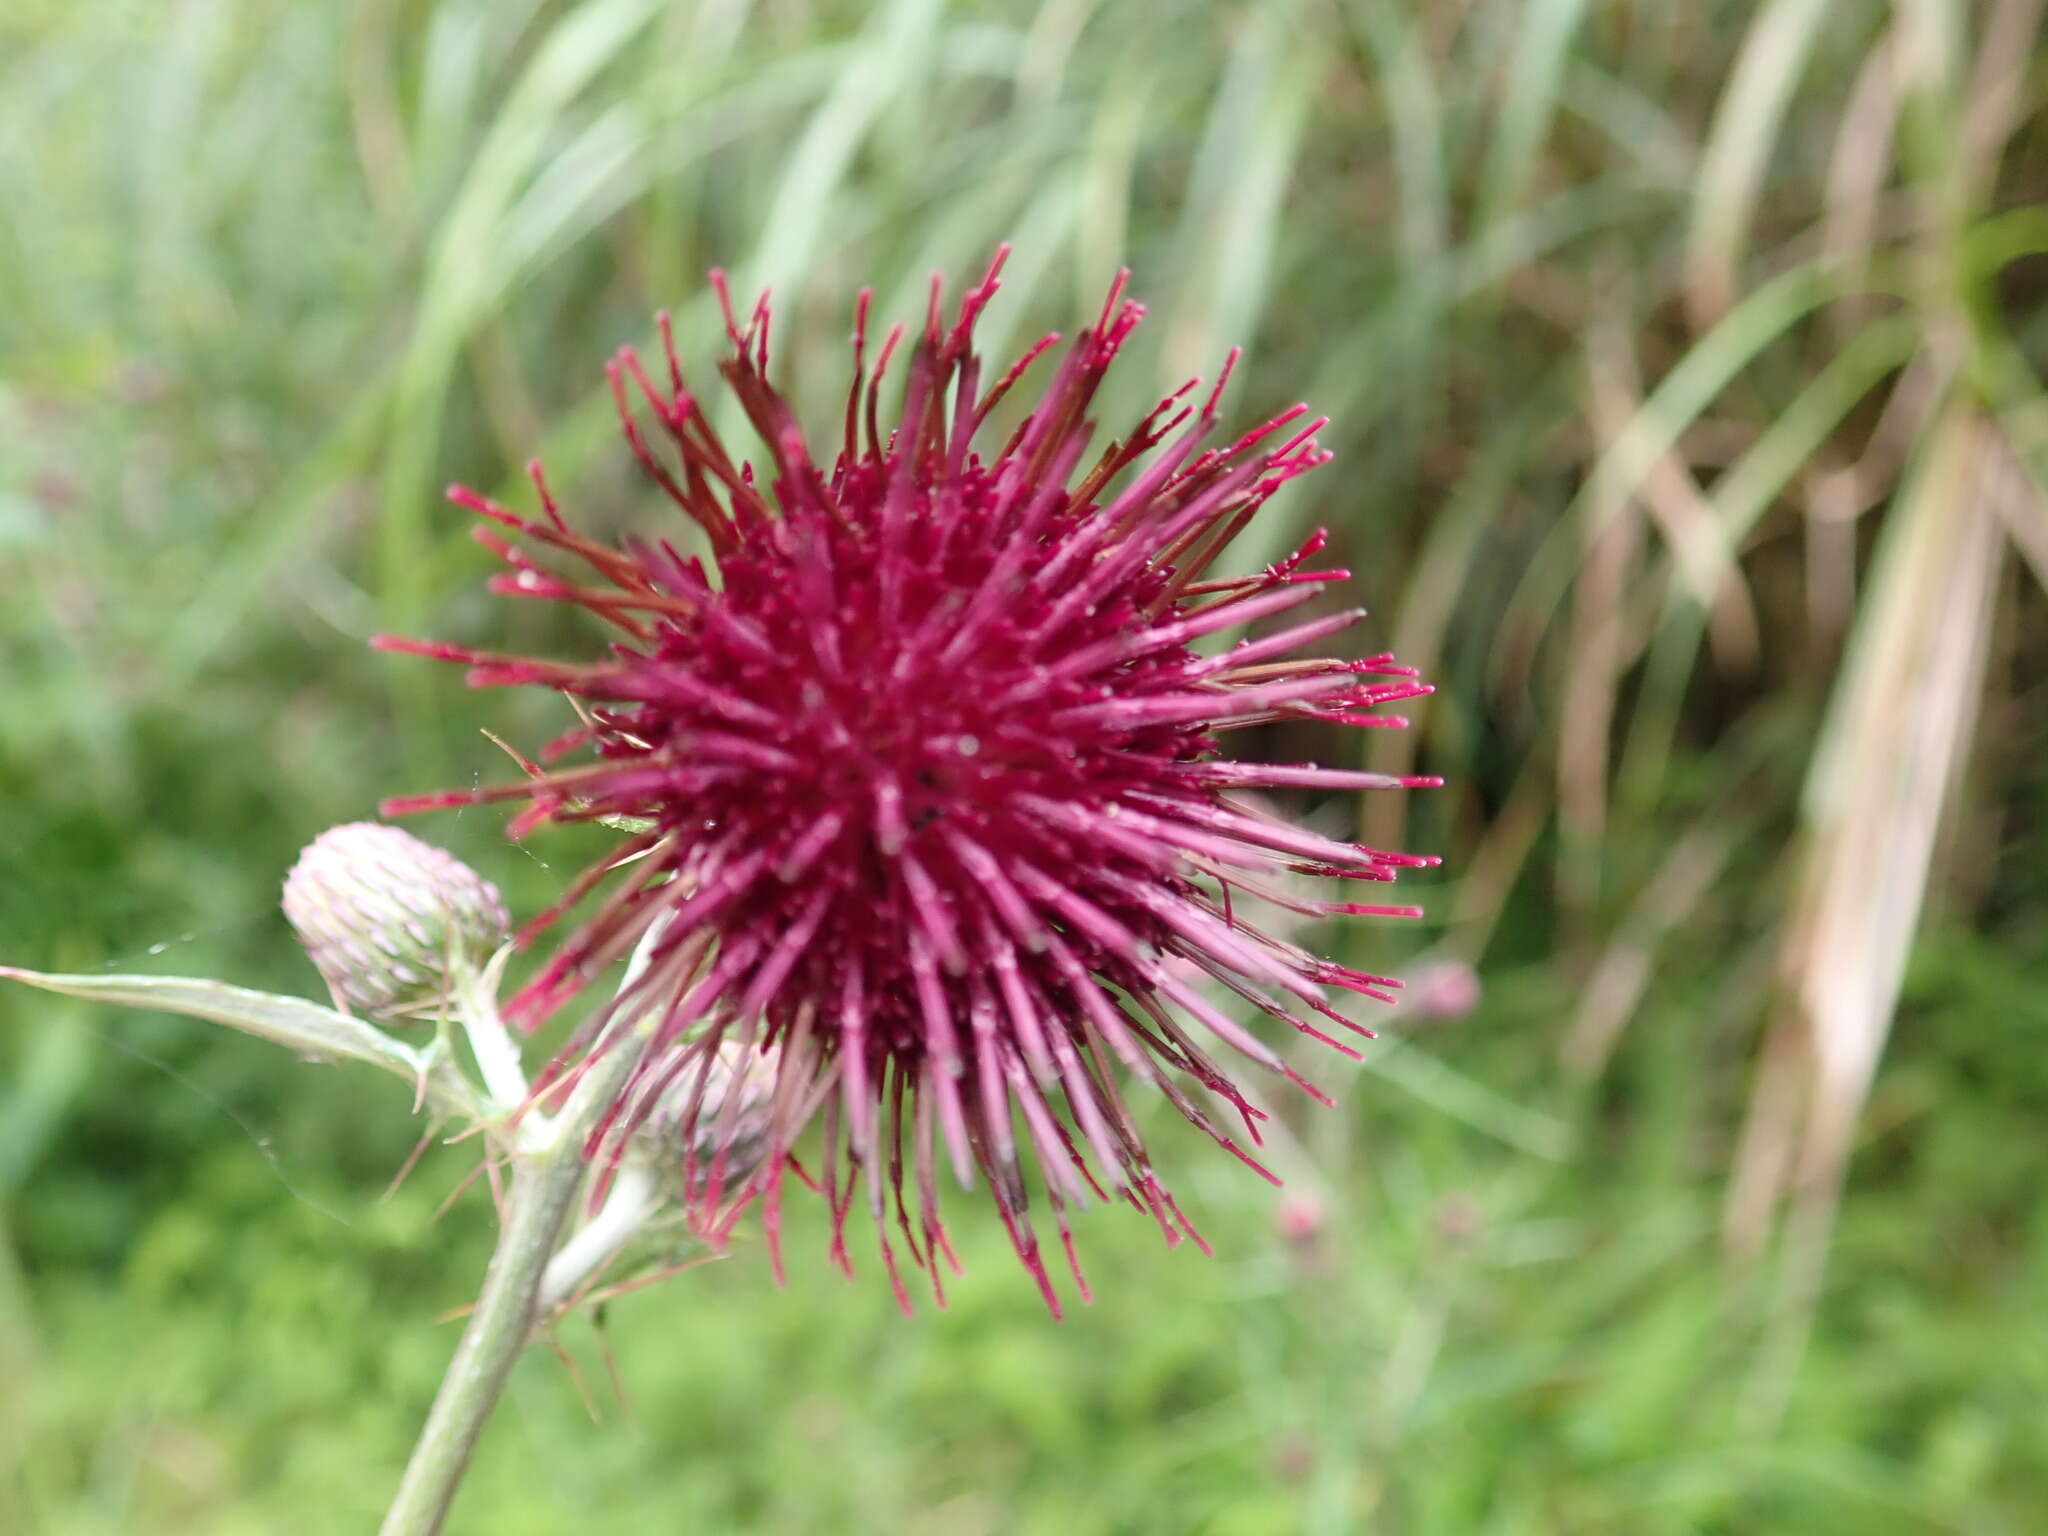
(926, 780)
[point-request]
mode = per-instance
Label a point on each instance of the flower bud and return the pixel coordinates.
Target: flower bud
(1299, 1219)
(389, 919)
(728, 1130)
(1441, 991)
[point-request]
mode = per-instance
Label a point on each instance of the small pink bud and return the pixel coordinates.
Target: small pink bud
(1299, 1219)
(387, 918)
(1441, 991)
(1458, 1218)
(1294, 1457)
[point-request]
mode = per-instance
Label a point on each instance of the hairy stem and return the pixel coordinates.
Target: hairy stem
(635, 1195)
(542, 1192)
(497, 1058)
(544, 1186)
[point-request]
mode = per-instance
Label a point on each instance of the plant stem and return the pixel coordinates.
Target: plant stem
(497, 1058)
(635, 1194)
(543, 1189)
(544, 1186)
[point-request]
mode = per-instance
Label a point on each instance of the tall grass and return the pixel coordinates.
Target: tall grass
(1685, 364)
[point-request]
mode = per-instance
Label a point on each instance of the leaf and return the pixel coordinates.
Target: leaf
(1679, 399)
(467, 273)
(1441, 1086)
(1884, 773)
(308, 1028)
(1752, 109)
(1536, 72)
(54, 1067)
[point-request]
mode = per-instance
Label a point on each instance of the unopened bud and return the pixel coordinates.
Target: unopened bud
(1441, 991)
(1458, 1218)
(388, 919)
(1299, 1219)
(722, 1135)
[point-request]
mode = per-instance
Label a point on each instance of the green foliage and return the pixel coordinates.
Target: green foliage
(1632, 318)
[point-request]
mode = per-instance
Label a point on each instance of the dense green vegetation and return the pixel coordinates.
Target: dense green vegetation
(1685, 366)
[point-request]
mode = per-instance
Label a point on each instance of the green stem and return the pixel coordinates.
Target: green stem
(497, 1058)
(635, 1195)
(544, 1186)
(542, 1193)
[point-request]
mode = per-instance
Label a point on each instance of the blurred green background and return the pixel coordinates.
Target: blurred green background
(1685, 365)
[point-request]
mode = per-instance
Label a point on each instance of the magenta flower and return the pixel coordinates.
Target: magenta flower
(927, 781)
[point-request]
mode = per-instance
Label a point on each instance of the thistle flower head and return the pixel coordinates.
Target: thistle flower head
(388, 919)
(927, 777)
